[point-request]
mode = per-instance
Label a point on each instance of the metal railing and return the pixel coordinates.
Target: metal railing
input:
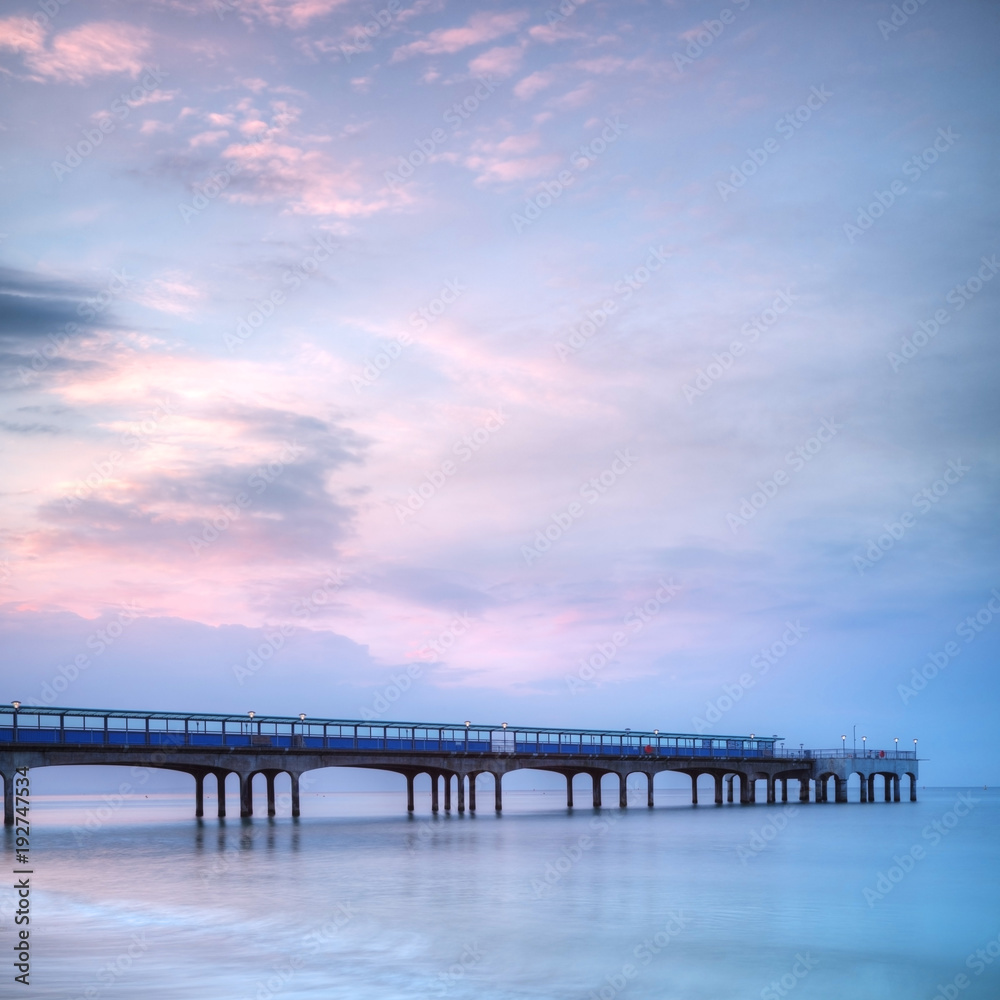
(49, 726)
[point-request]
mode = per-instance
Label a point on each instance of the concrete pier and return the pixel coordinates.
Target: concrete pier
(51, 737)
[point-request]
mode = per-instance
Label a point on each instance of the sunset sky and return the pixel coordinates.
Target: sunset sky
(470, 343)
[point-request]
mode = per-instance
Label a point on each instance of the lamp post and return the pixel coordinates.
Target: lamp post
(843, 745)
(250, 727)
(914, 749)
(16, 705)
(864, 746)
(467, 724)
(302, 719)
(895, 740)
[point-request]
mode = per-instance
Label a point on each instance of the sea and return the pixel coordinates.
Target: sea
(361, 901)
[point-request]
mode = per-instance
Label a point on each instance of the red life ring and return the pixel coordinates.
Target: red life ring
(881, 753)
(647, 749)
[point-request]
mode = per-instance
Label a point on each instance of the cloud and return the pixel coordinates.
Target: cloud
(532, 84)
(501, 61)
(480, 28)
(100, 48)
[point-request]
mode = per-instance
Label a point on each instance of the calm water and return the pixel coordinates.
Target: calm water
(364, 902)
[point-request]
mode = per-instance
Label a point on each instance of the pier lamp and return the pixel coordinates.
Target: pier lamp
(914, 748)
(16, 705)
(864, 746)
(503, 725)
(895, 740)
(656, 732)
(843, 745)
(302, 716)
(467, 723)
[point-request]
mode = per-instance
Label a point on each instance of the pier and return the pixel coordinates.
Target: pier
(213, 746)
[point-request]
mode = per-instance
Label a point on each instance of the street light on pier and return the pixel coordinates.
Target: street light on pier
(843, 745)
(895, 740)
(864, 746)
(16, 705)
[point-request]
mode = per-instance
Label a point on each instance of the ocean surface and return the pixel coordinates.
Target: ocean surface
(358, 900)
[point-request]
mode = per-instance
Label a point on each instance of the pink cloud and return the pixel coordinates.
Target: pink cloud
(501, 61)
(480, 28)
(91, 50)
(531, 85)
(21, 34)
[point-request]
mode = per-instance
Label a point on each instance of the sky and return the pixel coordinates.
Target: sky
(604, 364)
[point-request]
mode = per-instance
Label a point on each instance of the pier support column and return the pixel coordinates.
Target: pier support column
(784, 789)
(199, 796)
(649, 791)
(434, 792)
(770, 791)
(895, 788)
(596, 779)
(220, 791)
(622, 791)
(498, 805)
(746, 790)
(447, 792)
(803, 789)
(729, 788)
(821, 789)
(913, 788)
(8, 799)
(840, 789)
(871, 787)
(472, 792)
(751, 789)
(409, 793)
(694, 789)
(718, 789)
(888, 787)
(864, 788)
(569, 791)
(295, 795)
(246, 795)
(461, 793)
(269, 779)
